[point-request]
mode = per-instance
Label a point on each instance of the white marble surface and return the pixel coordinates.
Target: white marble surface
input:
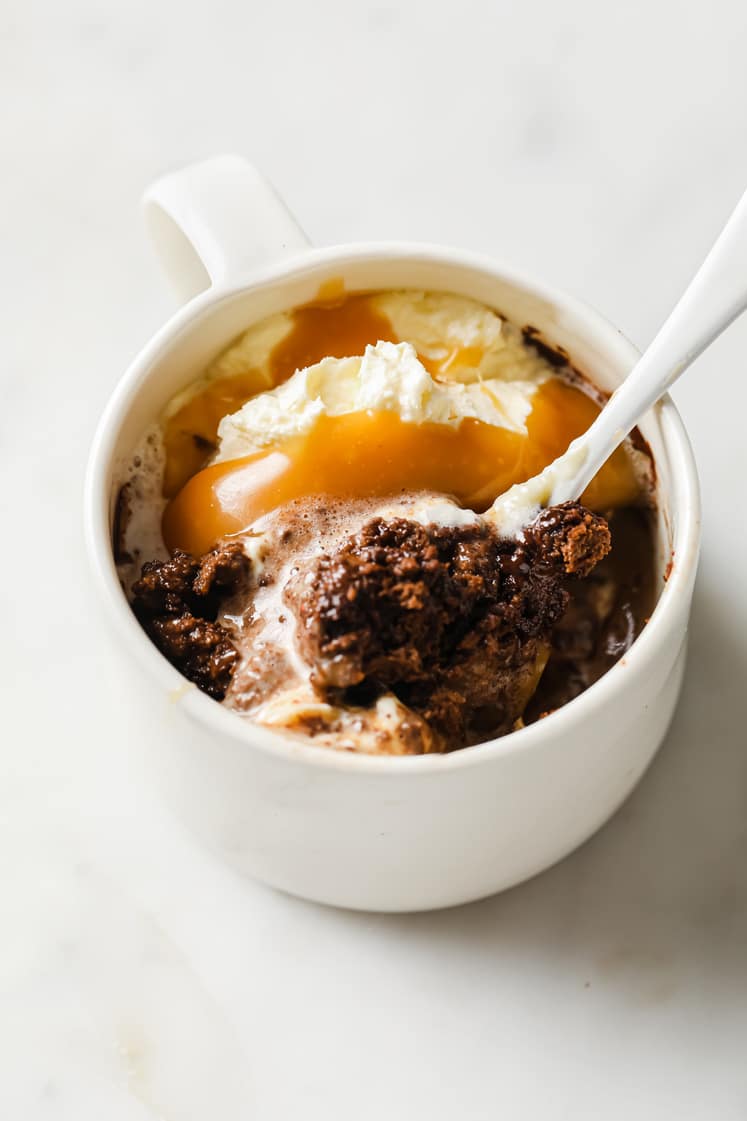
(598, 145)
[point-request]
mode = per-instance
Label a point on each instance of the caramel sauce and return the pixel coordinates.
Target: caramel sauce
(361, 454)
(376, 454)
(461, 356)
(190, 434)
(335, 326)
(321, 330)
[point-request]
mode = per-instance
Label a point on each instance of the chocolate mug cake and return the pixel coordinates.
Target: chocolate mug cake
(307, 534)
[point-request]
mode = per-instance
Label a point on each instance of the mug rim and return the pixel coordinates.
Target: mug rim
(684, 497)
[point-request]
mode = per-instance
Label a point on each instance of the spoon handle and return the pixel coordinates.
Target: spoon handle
(716, 295)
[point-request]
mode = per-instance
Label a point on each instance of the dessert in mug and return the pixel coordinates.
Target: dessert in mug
(307, 534)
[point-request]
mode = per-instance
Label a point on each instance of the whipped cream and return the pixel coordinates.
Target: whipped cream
(429, 509)
(467, 340)
(521, 503)
(389, 377)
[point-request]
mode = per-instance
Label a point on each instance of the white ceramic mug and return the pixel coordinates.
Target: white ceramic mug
(381, 833)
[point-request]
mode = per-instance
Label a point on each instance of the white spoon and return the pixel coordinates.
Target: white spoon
(716, 295)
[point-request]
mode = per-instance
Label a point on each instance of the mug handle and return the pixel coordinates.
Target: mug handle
(214, 223)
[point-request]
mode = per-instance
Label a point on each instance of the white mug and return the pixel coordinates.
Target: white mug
(380, 833)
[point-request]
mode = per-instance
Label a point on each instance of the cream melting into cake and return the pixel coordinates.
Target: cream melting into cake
(321, 498)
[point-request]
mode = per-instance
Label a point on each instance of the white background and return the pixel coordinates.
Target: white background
(597, 145)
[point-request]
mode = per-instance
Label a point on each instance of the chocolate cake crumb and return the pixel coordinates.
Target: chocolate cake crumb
(199, 649)
(222, 570)
(570, 537)
(177, 602)
(455, 621)
(165, 587)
